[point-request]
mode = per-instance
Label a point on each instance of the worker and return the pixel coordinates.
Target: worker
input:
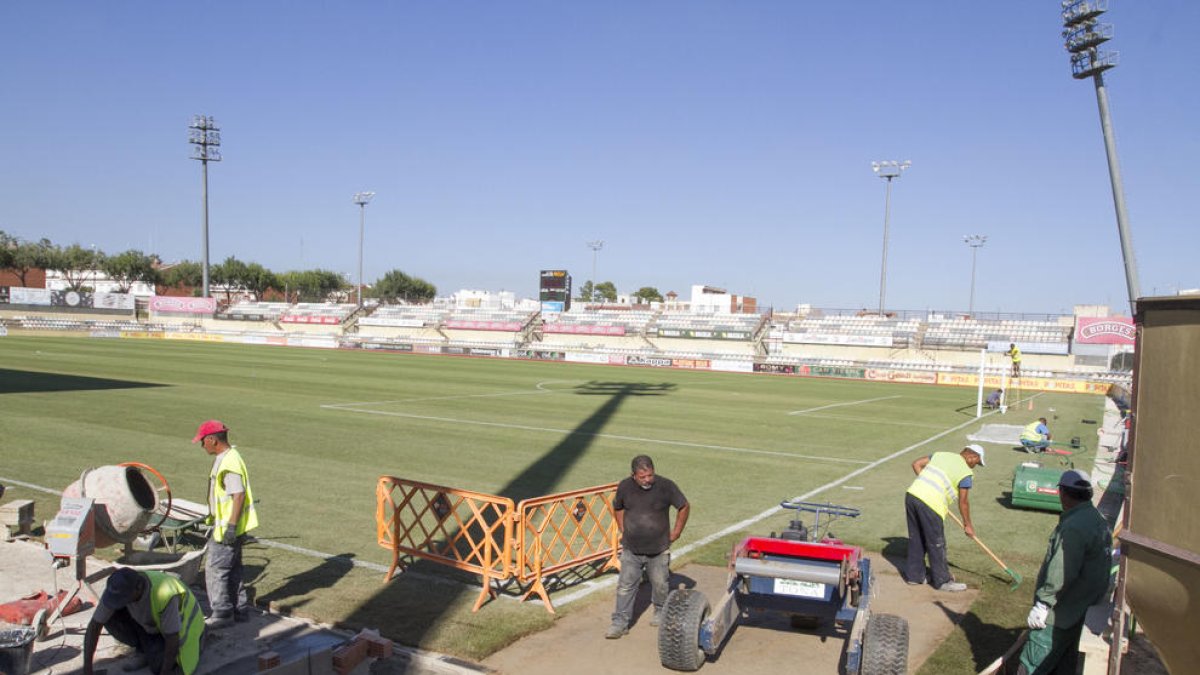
(941, 478)
(231, 506)
(1014, 353)
(641, 508)
(1073, 577)
(993, 399)
(1036, 436)
(153, 612)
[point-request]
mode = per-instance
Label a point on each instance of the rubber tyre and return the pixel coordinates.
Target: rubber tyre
(679, 630)
(885, 648)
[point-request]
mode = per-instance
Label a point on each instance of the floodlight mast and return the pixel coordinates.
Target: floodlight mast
(888, 170)
(206, 137)
(1083, 34)
(975, 241)
(362, 199)
(595, 246)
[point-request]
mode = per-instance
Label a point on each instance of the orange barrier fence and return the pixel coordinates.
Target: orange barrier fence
(487, 535)
(466, 530)
(560, 531)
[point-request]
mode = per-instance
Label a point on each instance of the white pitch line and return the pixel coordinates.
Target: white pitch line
(838, 405)
(636, 439)
(736, 527)
(871, 420)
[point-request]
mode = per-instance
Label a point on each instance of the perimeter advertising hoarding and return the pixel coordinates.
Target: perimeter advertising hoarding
(830, 339)
(3, 295)
(1116, 330)
(575, 329)
(507, 326)
(906, 376)
(30, 296)
(1026, 383)
(704, 334)
(179, 305)
(113, 300)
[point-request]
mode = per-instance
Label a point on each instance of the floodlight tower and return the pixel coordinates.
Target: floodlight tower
(595, 246)
(887, 170)
(975, 241)
(1082, 36)
(362, 199)
(204, 134)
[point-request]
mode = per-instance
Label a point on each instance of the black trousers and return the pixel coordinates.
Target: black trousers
(926, 537)
(125, 630)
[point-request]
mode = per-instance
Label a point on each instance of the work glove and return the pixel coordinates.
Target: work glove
(1037, 615)
(230, 535)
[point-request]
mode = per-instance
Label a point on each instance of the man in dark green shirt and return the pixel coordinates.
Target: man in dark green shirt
(1073, 577)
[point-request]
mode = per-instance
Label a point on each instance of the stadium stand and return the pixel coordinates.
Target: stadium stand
(962, 333)
(254, 311)
(317, 313)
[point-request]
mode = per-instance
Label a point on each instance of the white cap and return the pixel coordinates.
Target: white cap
(977, 449)
(1075, 479)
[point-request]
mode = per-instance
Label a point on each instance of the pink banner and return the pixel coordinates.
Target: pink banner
(1108, 331)
(510, 326)
(167, 303)
(304, 318)
(578, 329)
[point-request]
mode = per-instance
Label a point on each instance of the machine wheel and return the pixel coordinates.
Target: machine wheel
(885, 648)
(679, 630)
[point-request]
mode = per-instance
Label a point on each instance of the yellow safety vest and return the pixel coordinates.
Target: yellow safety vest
(1015, 353)
(937, 484)
(221, 503)
(163, 587)
(1031, 433)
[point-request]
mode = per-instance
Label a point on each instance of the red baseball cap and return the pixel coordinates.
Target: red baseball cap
(209, 427)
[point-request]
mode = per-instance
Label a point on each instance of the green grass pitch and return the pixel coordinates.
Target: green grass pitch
(317, 428)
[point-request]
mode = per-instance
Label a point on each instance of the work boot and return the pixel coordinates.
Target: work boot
(218, 621)
(654, 619)
(953, 587)
(614, 632)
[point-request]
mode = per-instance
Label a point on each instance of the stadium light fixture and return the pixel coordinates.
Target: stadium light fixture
(362, 199)
(1083, 35)
(887, 170)
(205, 136)
(595, 246)
(975, 241)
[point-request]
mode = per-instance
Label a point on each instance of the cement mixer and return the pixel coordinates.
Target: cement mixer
(124, 499)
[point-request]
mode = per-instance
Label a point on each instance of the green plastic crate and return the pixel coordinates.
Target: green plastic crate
(1036, 487)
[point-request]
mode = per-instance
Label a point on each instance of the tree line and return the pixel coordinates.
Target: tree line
(606, 291)
(77, 264)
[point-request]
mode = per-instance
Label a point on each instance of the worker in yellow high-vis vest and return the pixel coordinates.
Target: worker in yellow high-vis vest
(231, 507)
(942, 478)
(153, 612)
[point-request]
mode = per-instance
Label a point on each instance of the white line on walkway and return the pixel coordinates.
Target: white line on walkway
(295, 549)
(593, 586)
(838, 405)
(636, 439)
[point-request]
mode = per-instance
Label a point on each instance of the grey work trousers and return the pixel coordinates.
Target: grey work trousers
(223, 578)
(657, 569)
(926, 537)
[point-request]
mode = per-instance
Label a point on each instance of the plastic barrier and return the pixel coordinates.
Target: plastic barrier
(560, 531)
(487, 535)
(469, 531)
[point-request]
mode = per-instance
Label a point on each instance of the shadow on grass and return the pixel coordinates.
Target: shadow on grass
(289, 596)
(28, 382)
(429, 601)
(987, 641)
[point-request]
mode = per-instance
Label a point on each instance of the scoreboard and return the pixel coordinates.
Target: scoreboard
(554, 290)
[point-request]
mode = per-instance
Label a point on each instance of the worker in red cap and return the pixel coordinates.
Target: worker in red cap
(231, 507)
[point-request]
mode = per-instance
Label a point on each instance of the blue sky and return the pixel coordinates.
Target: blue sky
(726, 143)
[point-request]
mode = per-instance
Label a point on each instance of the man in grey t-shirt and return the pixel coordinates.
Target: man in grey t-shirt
(642, 508)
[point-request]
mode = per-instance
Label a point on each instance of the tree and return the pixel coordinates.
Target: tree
(586, 293)
(76, 264)
(607, 290)
(8, 248)
(129, 268)
(185, 274)
(229, 276)
(259, 279)
(311, 285)
(648, 294)
(29, 256)
(396, 286)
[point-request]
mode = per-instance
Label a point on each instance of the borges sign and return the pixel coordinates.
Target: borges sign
(1110, 331)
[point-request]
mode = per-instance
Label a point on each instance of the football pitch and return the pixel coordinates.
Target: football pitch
(318, 427)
